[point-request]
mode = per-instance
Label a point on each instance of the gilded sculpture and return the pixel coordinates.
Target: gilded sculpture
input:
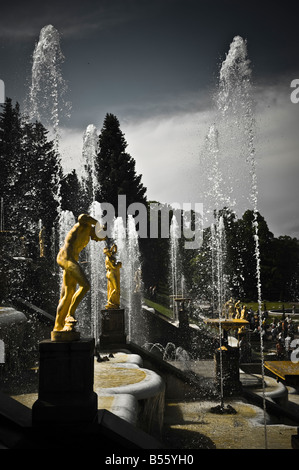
(73, 275)
(113, 277)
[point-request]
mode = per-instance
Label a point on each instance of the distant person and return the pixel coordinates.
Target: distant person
(287, 346)
(279, 350)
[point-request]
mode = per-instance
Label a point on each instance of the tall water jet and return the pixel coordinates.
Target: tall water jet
(220, 288)
(235, 99)
(1, 214)
(46, 101)
(89, 154)
(65, 223)
(217, 191)
(133, 275)
(175, 275)
(220, 261)
(119, 235)
(236, 123)
(236, 155)
(97, 273)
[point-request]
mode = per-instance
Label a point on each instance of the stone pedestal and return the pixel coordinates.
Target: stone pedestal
(183, 319)
(112, 323)
(230, 370)
(295, 440)
(66, 395)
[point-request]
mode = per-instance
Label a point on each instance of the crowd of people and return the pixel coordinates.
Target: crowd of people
(280, 331)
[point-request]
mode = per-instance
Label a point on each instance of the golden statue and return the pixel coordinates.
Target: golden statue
(113, 277)
(237, 309)
(244, 313)
(41, 238)
(229, 309)
(67, 258)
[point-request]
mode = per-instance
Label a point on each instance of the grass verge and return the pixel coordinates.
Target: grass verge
(167, 312)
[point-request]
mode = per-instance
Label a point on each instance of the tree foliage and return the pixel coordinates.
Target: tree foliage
(279, 261)
(31, 173)
(116, 168)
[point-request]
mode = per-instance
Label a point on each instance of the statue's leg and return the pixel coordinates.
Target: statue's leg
(84, 287)
(67, 292)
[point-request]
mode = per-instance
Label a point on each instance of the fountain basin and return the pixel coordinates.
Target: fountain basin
(230, 324)
(127, 378)
(287, 371)
(287, 312)
(123, 376)
(123, 405)
(12, 329)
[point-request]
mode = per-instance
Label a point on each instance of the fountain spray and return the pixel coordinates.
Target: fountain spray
(231, 139)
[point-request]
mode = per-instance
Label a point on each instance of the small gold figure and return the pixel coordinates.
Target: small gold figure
(237, 309)
(113, 277)
(67, 258)
(229, 309)
(244, 313)
(41, 238)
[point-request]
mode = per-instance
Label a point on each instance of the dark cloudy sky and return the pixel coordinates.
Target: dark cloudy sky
(155, 64)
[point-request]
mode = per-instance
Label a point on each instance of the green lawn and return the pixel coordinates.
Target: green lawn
(159, 308)
(270, 305)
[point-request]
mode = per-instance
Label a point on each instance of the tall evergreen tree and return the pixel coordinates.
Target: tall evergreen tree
(73, 196)
(116, 168)
(30, 174)
(30, 187)
(42, 173)
(10, 159)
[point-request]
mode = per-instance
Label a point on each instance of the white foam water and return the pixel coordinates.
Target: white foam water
(47, 94)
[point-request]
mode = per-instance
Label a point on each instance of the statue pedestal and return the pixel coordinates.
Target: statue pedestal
(65, 336)
(66, 372)
(229, 357)
(112, 327)
(183, 319)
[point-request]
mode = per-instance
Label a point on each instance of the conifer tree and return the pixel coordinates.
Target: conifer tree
(41, 177)
(30, 175)
(116, 168)
(73, 196)
(10, 159)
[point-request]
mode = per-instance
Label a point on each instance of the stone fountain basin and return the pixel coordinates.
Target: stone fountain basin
(121, 385)
(125, 388)
(230, 324)
(126, 378)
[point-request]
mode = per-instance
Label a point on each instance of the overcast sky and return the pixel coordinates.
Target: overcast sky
(155, 64)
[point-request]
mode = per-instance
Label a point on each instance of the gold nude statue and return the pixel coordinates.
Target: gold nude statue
(113, 277)
(229, 309)
(237, 309)
(41, 238)
(244, 313)
(67, 258)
